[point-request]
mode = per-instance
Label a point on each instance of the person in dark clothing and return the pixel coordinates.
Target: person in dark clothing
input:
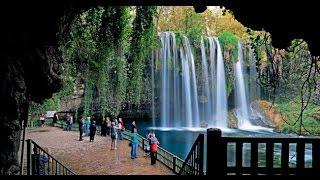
(104, 127)
(133, 126)
(108, 130)
(92, 129)
(55, 118)
(81, 124)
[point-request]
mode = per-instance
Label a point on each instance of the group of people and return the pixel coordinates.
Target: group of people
(152, 146)
(115, 129)
(87, 127)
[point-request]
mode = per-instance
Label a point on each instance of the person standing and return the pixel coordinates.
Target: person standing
(69, 122)
(81, 127)
(55, 118)
(147, 150)
(42, 119)
(121, 129)
(104, 127)
(87, 126)
(154, 148)
(93, 129)
(133, 126)
(113, 133)
(134, 144)
(108, 126)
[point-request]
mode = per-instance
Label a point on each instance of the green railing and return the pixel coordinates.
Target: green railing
(34, 124)
(165, 157)
(40, 162)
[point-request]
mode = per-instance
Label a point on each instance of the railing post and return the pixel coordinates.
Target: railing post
(142, 144)
(201, 157)
(174, 163)
(29, 158)
(215, 154)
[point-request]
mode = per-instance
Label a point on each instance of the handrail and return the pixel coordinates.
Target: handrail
(166, 156)
(218, 146)
(197, 162)
(48, 166)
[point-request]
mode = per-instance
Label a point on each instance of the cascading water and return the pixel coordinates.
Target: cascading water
(242, 111)
(178, 89)
(209, 81)
(221, 98)
(213, 86)
(165, 56)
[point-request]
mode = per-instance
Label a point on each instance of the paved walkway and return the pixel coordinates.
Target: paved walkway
(94, 158)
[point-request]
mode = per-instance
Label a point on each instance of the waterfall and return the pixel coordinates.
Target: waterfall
(178, 87)
(165, 55)
(193, 84)
(186, 88)
(242, 111)
(213, 85)
(221, 96)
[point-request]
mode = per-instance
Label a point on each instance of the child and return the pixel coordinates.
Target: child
(93, 129)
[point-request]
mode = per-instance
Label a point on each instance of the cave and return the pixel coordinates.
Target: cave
(30, 58)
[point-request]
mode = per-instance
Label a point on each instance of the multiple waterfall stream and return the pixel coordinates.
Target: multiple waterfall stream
(191, 93)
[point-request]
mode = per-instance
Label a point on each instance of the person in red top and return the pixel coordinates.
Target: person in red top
(153, 148)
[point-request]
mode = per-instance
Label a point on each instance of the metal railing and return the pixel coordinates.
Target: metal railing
(165, 157)
(193, 165)
(40, 162)
(218, 147)
(34, 124)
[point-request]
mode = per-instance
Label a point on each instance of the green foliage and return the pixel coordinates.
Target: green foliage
(229, 43)
(88, 96)
(178, 36)
(142, 43)
(52, 104)
(291, 110)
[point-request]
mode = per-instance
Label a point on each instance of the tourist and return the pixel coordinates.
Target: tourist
(87, 126)
(121, 129)
(39, 161)
(113, 132)
(93, 129)
(154, 148)
(81, 127)
(69, 122)
(104, 127)
(108, 126)
(147, 150)
(55, 118)
(42, 119)
(134, 144)
(133, 126)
